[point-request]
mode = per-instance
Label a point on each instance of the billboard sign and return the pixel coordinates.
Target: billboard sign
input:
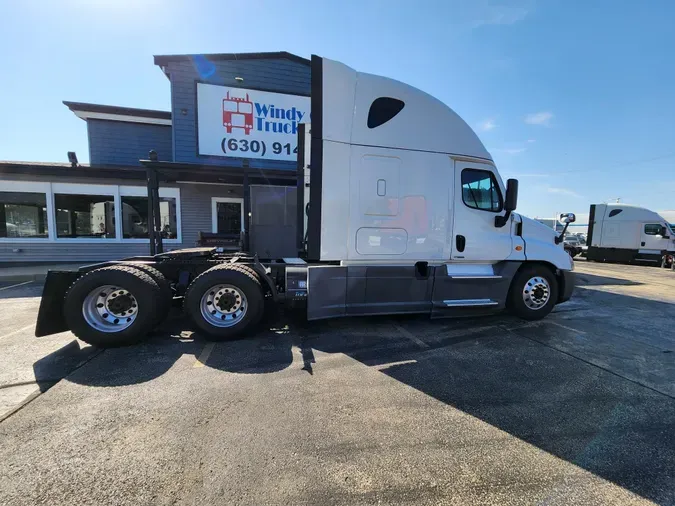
(245, 123)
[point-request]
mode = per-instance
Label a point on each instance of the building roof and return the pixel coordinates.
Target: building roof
(116, 113)
(162, 60)
(167, 172)
(23, 163)
(65, 169)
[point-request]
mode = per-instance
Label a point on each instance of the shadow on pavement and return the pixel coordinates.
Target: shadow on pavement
(584, 279)
(614, 429)
(610, 426)
(57, 365)
(10, 290)
(595, 419)
(269, 351)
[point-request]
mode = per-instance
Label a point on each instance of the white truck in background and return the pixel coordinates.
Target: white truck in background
(406, 213)
(628, 234)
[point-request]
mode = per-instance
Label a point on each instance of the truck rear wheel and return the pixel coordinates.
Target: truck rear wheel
(533, 293)
(165, 292)
(112, 306)
(225, 300)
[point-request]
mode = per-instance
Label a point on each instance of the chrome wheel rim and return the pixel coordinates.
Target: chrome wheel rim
(110, 308)
(223, 305)
(536, 292)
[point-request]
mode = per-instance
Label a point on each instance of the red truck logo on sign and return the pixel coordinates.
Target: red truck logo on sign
(237, 113)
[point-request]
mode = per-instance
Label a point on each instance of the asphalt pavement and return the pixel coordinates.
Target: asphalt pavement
(578, 408)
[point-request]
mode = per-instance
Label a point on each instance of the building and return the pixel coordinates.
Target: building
(227, 160)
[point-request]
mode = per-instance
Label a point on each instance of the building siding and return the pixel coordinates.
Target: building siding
(196, 212)
(279, 75)
(121, 143)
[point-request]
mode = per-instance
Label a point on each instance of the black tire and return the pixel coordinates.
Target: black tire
(144, 289)
(165, 292)
(515, 301)
(240, 276)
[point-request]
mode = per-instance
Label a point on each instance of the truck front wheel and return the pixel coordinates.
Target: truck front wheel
(112, 306)
(225, 300)
(533, 293)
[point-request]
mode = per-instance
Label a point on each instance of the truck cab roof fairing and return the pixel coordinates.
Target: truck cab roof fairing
(424, 123)
(631, 213)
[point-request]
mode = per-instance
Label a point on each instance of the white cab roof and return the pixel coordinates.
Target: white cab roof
(425, 123)
(629, 212)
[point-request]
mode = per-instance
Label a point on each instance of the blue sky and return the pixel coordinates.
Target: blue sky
(575, 98)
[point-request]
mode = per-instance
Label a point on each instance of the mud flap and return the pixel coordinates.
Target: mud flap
(50, 316)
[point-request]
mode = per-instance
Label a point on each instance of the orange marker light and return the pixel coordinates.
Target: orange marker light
(519, 248)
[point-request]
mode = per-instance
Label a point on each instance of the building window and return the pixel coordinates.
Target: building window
(653, 229)
(91, 216)
(480, 190)
(23, 215)
(44, 211)
(135, 217)
(382, 110)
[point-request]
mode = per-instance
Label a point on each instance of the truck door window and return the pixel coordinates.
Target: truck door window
(382, 110)
(652, 229)
(480, 190)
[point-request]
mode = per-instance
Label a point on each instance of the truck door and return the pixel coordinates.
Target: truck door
(651, 240)
(478, 199)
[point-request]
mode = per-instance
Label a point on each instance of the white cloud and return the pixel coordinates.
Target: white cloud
(539, 118)
(499, 15)
(487, 125)
(511, 151)
(531, 140)
(562, 191)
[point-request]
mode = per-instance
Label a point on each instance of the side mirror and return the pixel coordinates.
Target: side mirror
(510, 203)
(511, 200)
(566, 218)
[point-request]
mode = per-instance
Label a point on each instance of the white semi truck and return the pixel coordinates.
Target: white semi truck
(405, 213)
(623, 233)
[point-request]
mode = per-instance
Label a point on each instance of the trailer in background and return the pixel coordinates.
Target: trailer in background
(629, 234)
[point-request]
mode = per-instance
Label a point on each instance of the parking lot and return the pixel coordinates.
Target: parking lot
(578, 408)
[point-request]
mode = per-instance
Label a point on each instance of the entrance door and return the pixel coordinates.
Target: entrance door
(227, 215)
(478, 199)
